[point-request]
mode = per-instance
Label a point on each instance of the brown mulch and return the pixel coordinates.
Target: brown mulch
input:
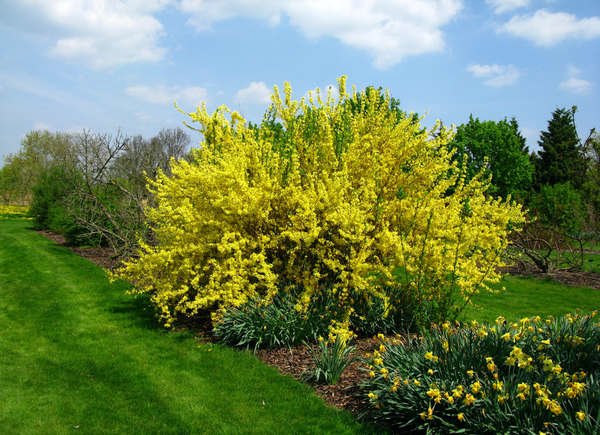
(102, 256)
(295, 361)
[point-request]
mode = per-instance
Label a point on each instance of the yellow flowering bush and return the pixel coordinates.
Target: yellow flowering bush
(541, 379)
(13, 210)
(338, 199)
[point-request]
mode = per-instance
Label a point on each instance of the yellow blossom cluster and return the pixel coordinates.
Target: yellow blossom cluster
(334, 196)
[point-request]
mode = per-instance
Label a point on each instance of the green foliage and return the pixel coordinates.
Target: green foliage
(523, 377)
(498, 149)
(50, 207)
(331, 359)
(277, 324)
(561, 157)
(560, 206)
(591, 186)
(39, 151)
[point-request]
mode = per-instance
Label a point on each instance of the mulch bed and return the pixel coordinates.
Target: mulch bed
(295, 361)
(103, 257)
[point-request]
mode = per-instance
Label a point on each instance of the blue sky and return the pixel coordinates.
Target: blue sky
(104, 65)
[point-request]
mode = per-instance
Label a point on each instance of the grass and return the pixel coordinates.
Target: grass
(77, 354)
(526, 297)
(591, 263)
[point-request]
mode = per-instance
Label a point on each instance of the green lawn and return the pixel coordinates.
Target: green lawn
(78, 355)
(526, 297)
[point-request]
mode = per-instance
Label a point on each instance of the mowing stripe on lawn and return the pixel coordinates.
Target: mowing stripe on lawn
(77, 354)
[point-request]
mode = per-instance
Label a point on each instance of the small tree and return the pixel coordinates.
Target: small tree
(498, 149)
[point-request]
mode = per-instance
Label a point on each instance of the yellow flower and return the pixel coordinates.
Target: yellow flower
(554, 407)
(371, 374)
(458, 392)
(502, 399)
(382, 348)
(430, 372)
(574, 389)
(430, 356)
(471, 373)
(378, 361)
(416, 382)
(506, 337)
(475, 387)
(497, 386)
(445, 345)
(580, 415)
(427, 415)
(380, 336)
(460, 416)
(372, 396)
(433, 392)
(384, 372)
(469, 399)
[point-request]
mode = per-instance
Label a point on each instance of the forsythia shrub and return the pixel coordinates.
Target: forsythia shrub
(13, 210)
(345, 199)
(531, 376)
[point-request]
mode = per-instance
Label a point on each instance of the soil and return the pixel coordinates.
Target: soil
(102, 256)
(295, 361)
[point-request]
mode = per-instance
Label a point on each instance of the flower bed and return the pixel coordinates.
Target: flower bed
(531, 376)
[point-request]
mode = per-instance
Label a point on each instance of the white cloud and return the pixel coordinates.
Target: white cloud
(388, 30)
(99, 33)
(502, 6)
(495, 75)
(549, 28)
(204, 13)
(575, 84)
(254, 93)
(167, 95)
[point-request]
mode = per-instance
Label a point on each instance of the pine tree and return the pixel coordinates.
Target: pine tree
(561, 157)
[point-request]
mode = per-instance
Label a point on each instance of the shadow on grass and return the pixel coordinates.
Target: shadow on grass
(137, 311)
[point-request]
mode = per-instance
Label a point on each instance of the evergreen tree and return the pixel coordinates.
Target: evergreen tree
(561, 158)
